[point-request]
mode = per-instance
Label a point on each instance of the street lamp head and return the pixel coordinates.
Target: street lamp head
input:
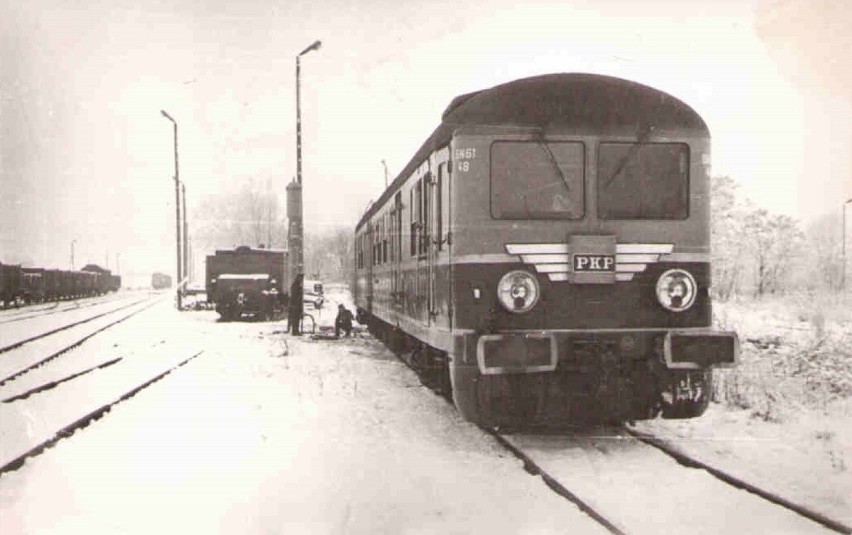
(313, 46)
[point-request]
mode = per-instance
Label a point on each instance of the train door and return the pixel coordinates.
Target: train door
(396, 253)
(438, 252)
(370, 261)
(445, 275)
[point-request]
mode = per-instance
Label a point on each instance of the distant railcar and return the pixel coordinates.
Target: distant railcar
(33, 289)
(545, 255)
(114, 283)
(51, 284)
(105, 281)
(247, 281)
(11, 283)
(160, 281)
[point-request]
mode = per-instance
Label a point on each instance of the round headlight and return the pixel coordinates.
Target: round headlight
(518, 291)
(676, 290)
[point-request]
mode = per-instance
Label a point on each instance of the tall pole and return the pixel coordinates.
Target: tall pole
(178, 270)
(185, 237)
(296, 233)
(72, 254)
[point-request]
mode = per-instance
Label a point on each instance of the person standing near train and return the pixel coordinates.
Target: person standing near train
(296, 304)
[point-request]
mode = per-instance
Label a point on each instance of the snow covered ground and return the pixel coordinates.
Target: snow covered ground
(265, 433)
(268, 433)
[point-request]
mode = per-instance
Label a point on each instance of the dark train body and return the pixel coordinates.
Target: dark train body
(161, 281)
(247, 281)
(27, 285)
(546, 255)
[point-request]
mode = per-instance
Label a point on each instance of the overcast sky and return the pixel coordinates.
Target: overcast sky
(87, 156)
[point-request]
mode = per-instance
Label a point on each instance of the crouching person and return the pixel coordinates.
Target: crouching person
(343, 321)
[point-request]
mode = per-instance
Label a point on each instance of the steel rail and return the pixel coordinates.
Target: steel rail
(530, 466)
(686, 460)
(86, 419)
(54, 309)
(68, 326)
(50, 385)
(73, 345)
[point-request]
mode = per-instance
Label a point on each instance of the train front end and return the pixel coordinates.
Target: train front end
(581, 256)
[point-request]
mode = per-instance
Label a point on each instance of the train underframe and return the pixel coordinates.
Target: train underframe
(598, 379)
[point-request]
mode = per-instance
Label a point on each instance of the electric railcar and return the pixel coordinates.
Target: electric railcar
(545, 255)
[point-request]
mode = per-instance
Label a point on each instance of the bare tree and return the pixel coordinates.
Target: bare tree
(824, 261)
(249, 216)
(774, 240)
(329, 254)
(726, 235)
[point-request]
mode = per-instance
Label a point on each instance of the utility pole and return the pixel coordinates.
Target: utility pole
(178, 270)
(294, 189)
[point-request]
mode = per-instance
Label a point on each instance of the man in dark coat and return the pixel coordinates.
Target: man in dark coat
(343, 321)
(294, 315)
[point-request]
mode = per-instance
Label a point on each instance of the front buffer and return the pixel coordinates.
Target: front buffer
(545, 378)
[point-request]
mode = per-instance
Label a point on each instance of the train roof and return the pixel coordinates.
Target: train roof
(94, 268)
(556, 101)
(246, 249)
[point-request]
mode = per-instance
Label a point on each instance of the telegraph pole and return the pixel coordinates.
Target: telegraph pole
(296, 233)
(178, 269)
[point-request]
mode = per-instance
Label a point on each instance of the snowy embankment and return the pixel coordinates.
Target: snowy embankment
(274, 434)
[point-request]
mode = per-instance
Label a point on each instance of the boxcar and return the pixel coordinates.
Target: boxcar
(11, 281)
(247, 281)
(33, 290)
(161, 281)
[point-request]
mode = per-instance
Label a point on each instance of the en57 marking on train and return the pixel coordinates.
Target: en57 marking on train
(462, 157)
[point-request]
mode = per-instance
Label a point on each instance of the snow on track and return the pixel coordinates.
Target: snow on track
(18, 334)
(642, 490)
(36, 354)
(333, 437)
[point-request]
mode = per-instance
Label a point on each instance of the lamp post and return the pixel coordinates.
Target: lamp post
(177, 207)
(294, 191)
(72, 254)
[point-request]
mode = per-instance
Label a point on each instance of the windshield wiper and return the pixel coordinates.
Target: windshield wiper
(640, 140)
(544, 145)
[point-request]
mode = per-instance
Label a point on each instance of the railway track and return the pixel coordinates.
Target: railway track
(63, 424)
(47, 309)
(24, 356)
(38, 332)
(49, 398)
(738, 482)
(627, 482)
(630, 486)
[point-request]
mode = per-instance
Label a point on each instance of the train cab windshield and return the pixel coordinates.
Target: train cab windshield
(643, 181)
(537, 180)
